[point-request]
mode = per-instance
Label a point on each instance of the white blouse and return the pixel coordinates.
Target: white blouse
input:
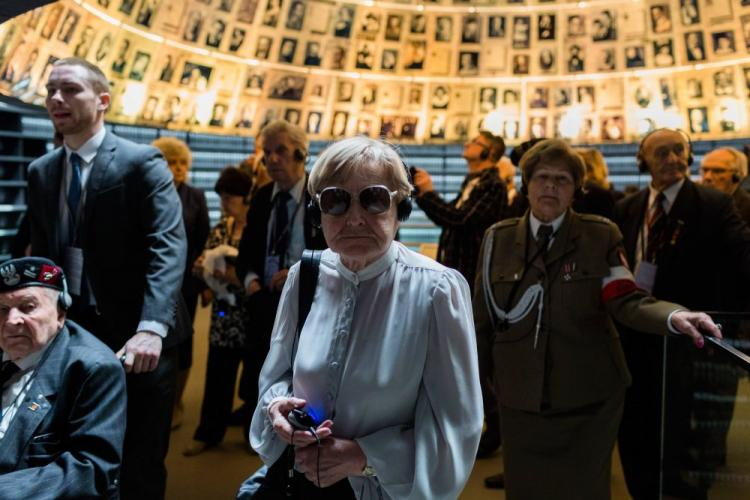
(389, 354)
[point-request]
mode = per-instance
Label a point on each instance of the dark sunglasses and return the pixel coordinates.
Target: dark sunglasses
(374, 200)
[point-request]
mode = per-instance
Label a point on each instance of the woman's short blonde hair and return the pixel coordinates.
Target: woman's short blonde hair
(171, 146)
(596, 167)
(342, 158)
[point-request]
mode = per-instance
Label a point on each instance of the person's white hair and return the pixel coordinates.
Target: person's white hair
(342, 158)
(740, 160)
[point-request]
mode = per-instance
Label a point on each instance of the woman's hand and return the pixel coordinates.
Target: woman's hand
(277, 414)
(695, 324)
(339, 459)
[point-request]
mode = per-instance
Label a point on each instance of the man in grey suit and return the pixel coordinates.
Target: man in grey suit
(107, 210)
(63, 393)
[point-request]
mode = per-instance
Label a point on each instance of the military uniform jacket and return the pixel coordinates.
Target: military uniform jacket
(575, 358)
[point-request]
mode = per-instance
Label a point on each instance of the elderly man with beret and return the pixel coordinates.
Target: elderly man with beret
(63, 393)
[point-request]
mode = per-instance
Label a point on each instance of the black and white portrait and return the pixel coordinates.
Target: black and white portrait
(511, 96)
(440, 97)
(102, 51)
(418, 24)
(575, 59)
(547, 60)
(634, 57)
(487, 99)
(443, 29)
(606, 59)
(254, 82)
(118, 65)
(295, 16)
(193, 26)
(339, 123)
(287, 50)
(195, 76)
(345, 91)
(68, 26)
(84, 42)
(146, 12)
(414, 54)
(292, 115)
(126, 6)
(539, 97)
(167, 69)
(694, 47)
(698, 119)
(689, 13)
(437, 126)
(470, 29)
(215, 33)
(312, 53)
(521, 32)
(561, 96)
(342, 25)
(724, 82)
(723, 43)
(289, 87)
(546, 27)
(139, 66)
(218, 115)
(53, 17)
(393, 26)
(263, 48)
(312, 125)
(496, 27)
(226, 5)
(663, 53)
(246, 11)
(520, 64)
(370, 25)
(365, 56)
(389, 60)
(468, 62)
(661, 20)
(694, 88)
(272, 13)
(604, 26)
(576, 25)
(237, 39)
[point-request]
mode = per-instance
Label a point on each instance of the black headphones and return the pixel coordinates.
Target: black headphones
(64, 300)
(485, 152)
(403, 209)
(643, 166)
(299, 155)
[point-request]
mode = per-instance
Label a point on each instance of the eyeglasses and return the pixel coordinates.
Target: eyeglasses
(374, 200)
(560, 181)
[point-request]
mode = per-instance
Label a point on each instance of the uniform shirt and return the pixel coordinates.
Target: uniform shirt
(14, 392)
(670, 194)
(389, 354)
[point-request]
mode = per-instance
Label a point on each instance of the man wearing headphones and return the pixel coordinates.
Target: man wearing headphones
(480, 203)
(724, 169)
(278, 230)
(63, 392)
(683, 241)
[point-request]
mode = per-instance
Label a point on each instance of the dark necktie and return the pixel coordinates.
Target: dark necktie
(9, 368)
(656, 223)
(543, 235)
(280, 240)
(74, 190)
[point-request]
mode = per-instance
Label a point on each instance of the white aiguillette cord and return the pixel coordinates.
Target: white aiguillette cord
(535, 293)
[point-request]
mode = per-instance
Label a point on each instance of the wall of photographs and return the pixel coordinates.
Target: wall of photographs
(427, 72)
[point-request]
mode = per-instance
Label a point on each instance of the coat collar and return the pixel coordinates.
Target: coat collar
(102, 163)
(563, 244)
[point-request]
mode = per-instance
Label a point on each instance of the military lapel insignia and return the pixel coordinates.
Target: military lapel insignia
(10, 275)
(568, 269)
(34, 406)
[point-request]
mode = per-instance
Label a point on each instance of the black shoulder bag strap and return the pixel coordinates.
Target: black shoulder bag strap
(308, 279)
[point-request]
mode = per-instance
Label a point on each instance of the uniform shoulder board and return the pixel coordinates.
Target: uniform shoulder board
(595, 218)
(505, 223)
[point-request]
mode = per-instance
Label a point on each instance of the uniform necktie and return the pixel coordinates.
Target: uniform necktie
(656, 224)
(543, 235)
(8, 369)
(74, 190)
(280, 240)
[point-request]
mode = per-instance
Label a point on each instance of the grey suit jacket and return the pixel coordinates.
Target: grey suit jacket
(132, 234)
(66, 439)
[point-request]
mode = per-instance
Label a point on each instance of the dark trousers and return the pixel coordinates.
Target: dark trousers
(218, 394)
(262, 313)
(151, 395)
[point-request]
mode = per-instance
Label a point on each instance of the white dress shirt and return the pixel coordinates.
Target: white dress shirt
(16, 388)
(389, 354)
(670, 194)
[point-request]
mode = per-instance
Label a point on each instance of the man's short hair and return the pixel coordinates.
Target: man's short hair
(172, 146)
(497, 145)
(552, 152)
(296, 135)
(97, 78)
(343, 158)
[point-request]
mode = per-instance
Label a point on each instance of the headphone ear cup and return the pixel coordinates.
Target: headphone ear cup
(736, 178)
(484, 154)
(643, 167)
(313, 212)
(299, 155)
(403, 209)
(690, 156)
(64, 299)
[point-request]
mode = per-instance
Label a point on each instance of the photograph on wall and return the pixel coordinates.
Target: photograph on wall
(318, 89)
(511, 97)
(694, 88)
(458, 128)
(254, 81)
(496, 27)
(520, 64)
(576, 25)
(244, 119)
(613, 128)
(695, 49)
(237, 39)
(166, 67)
(126, 6)
(724, 82)
(218, 115)
(443, 28)
(339, 123)
(539, 97)
(103, 49)
(226, 5)
(393, 25)
(561, 96)
(663, 52)
(271, 14)
(287, 50)
(547, 60)
(370, 25)
(68, 26)
(312, 122)
(193, 26)
(470, 29)
(468, 63)
(487, 99)
(389, 60)
(342, 24)
(689, 12)
(122, 57)
(436, 126)
(84, 42)
(440, 97)
(368, 95)
(538, 127)
(364, 125)
(698, 120)
(521, 32)
(365, 55)
(292, 115)
(418, 24)
(312, 53)
(149, 111)
(605, 59)
(296, 15)
(139, 66)
(723, 43)
(34, 17)
(575, 61)
(195, 76)
(546, 26)
(215, 32)
(746, 74)
(50, 23)
(604, 26)
(585, 96)
(415, 94)
(661, 20)
(414, 54)
(288, 87)
(344, 91)
(263, 47)
(635, 56)
(246, 11)
(146, 12)
(335, 56)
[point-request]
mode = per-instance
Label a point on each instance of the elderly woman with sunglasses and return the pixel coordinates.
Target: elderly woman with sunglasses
(386, 362)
